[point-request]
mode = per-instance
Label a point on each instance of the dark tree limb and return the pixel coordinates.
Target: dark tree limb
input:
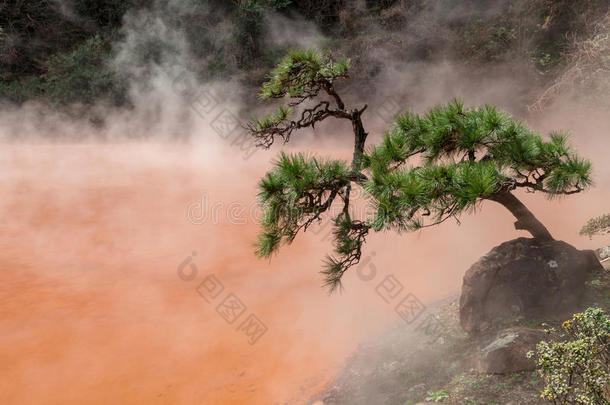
(525, 219)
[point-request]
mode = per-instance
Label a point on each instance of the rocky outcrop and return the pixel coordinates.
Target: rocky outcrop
(507, 351)
(524, 279)
(603, 254)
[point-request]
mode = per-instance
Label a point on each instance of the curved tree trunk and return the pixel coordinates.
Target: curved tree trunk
(525, 219)
(359, 139)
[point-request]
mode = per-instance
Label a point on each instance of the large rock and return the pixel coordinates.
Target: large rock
(507, 352)
(603, 254)
(524, 279)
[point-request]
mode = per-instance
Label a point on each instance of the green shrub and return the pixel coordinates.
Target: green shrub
(576, 370)
(324, 12)
(104, 13)
(437, 396)
(249, 30)
(596, 226)
(84, 75)
(488, 40)
(19, 91)
(279, 4)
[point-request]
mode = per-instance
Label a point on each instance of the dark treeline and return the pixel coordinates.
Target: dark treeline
(60, 51)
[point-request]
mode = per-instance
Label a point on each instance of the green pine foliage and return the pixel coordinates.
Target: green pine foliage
(294, 195)
(299, 189)
(427, 169)
(463, 155)
(20, 91)
(441, 191)
(349, 236)
(84, 75)
(300, 76)
(301, 73)
(273, 119)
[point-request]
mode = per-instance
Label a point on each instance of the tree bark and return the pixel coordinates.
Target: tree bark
(359, 139)
(525, 219)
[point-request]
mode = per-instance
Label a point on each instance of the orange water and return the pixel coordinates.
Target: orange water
(92, 309)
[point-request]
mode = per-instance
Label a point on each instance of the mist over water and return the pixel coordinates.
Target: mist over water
(96, 223)
(93, 307)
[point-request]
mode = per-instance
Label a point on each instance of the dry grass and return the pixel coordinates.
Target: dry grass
(588, 68)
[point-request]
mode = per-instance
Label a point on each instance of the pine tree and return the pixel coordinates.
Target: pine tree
(427, 169)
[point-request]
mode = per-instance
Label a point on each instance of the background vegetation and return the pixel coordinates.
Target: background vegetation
(61, 53)
(576, 369)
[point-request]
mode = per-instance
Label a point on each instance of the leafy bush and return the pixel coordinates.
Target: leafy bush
(577, 370)
(437, 396)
